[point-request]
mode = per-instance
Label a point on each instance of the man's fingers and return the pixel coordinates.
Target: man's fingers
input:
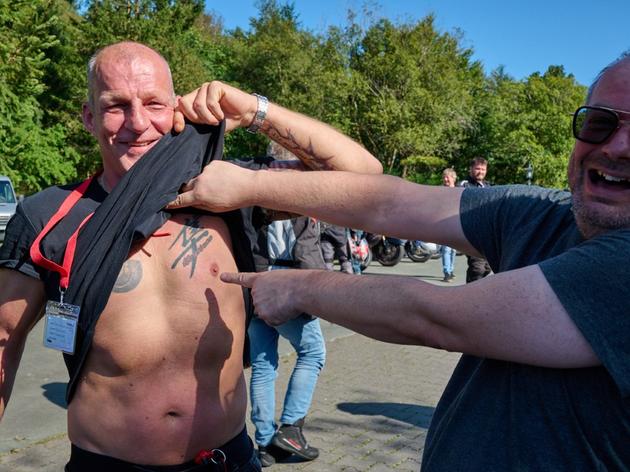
(184, 199)
(244, 279)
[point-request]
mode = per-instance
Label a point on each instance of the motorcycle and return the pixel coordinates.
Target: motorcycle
(359, 249)
(386, 250)
(419, 251)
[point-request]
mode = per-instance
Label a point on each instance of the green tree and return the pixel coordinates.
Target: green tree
(291, 66)
(33, 152)
(521, 122)
(414, 96)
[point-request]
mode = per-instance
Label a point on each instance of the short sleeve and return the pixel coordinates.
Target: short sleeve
(592, 281)
(14, 252)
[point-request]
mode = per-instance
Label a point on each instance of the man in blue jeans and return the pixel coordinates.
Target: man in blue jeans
(449, 177)
(290, 243)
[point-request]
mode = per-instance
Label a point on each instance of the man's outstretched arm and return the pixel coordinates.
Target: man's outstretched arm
(377, 203)
(493, 317)
(319, 146)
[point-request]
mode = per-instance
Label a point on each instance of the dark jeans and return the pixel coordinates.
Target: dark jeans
(239, 452)
(478, 268)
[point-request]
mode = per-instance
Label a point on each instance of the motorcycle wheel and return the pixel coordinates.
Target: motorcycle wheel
(366, 262)
(388, 258)
(416, 253)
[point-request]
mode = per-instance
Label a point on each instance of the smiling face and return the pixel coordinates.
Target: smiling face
(131, 105)
(599, 174)
(478, 171)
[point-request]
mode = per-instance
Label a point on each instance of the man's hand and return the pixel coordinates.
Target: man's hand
(221, 186)
(213, 102)
(273, 293)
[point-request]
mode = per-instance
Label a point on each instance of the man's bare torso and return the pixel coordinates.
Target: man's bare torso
(164, 376)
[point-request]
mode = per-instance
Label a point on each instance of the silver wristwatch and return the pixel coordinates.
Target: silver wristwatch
(261, 113)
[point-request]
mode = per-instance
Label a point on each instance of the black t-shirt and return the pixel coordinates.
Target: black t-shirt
(132, 210)
(505, 416)
(29, 219)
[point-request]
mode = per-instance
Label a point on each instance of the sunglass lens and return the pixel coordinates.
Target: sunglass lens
(594, 125)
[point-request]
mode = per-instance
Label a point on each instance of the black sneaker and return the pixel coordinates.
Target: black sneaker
(447, 278)
(290, 438)
(270, 454)
(266, 459)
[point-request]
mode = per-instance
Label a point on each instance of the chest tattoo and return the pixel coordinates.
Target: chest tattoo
(190, 241)
(129, 276)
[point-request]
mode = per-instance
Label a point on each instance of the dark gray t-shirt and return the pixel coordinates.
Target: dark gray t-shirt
(505, 416)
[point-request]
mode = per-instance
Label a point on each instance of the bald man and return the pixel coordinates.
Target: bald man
(162, 383)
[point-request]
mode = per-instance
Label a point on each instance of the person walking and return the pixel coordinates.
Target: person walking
(449, 177)
(289, 243)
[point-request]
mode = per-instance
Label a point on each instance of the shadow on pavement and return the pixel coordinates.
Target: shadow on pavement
(415, 415)
(55, 392)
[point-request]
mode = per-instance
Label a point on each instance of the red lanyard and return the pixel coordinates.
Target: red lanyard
(36, 254)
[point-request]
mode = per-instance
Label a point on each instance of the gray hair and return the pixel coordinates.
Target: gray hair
(449, 171)
(93, 62)
(624, 56)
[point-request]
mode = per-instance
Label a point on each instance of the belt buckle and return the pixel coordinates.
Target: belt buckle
(212, 456)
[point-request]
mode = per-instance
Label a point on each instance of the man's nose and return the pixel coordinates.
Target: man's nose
(618, 145)
(137, 118)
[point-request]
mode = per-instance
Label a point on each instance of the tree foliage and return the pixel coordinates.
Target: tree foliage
(409, 93)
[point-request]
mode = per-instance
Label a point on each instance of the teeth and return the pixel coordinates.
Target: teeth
(611, 178)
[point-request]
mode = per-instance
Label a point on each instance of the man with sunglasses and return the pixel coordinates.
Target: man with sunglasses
(544, 382)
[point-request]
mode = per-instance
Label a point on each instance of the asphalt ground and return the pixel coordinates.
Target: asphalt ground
(370, 412)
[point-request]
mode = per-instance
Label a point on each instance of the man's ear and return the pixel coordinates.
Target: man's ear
(88, 118)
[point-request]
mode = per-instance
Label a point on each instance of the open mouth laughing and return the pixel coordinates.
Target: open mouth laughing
(602, 179)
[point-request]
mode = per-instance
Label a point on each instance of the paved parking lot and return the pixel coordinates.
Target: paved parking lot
(370, 412)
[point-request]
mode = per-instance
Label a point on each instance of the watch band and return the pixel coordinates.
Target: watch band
(261, 113)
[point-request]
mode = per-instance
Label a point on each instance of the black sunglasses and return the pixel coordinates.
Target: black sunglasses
(594, 125)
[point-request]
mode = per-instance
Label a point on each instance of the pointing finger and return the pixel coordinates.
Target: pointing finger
(244, 279)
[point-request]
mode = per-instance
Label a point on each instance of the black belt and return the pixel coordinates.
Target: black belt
(237, 451)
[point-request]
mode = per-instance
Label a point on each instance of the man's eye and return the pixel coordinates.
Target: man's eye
(156, 106)
(600, 123)
(114, 107)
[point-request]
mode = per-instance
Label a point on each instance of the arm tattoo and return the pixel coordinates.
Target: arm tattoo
(307, 155)
(193, 240)
(129, 276)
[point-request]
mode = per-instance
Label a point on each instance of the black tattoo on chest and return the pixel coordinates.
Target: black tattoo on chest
(129, 277)
(192, 240)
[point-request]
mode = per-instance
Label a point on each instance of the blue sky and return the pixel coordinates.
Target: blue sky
(523, 36)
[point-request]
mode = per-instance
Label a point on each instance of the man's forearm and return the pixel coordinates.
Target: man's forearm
(9, 358)
(383, 308)
(318, 145)
(491, 318)
(377, 203)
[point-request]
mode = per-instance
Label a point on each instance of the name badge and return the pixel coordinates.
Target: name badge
(60, 331)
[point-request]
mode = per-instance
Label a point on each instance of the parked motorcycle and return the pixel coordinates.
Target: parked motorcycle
(419, 251)
(359, 249)
(386, 250)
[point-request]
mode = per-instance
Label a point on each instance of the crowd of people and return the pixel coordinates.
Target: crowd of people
(159, 277)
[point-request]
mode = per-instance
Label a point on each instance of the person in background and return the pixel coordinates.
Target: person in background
(334, 243)
(478, 267)
(449, 177)
(289, 243)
